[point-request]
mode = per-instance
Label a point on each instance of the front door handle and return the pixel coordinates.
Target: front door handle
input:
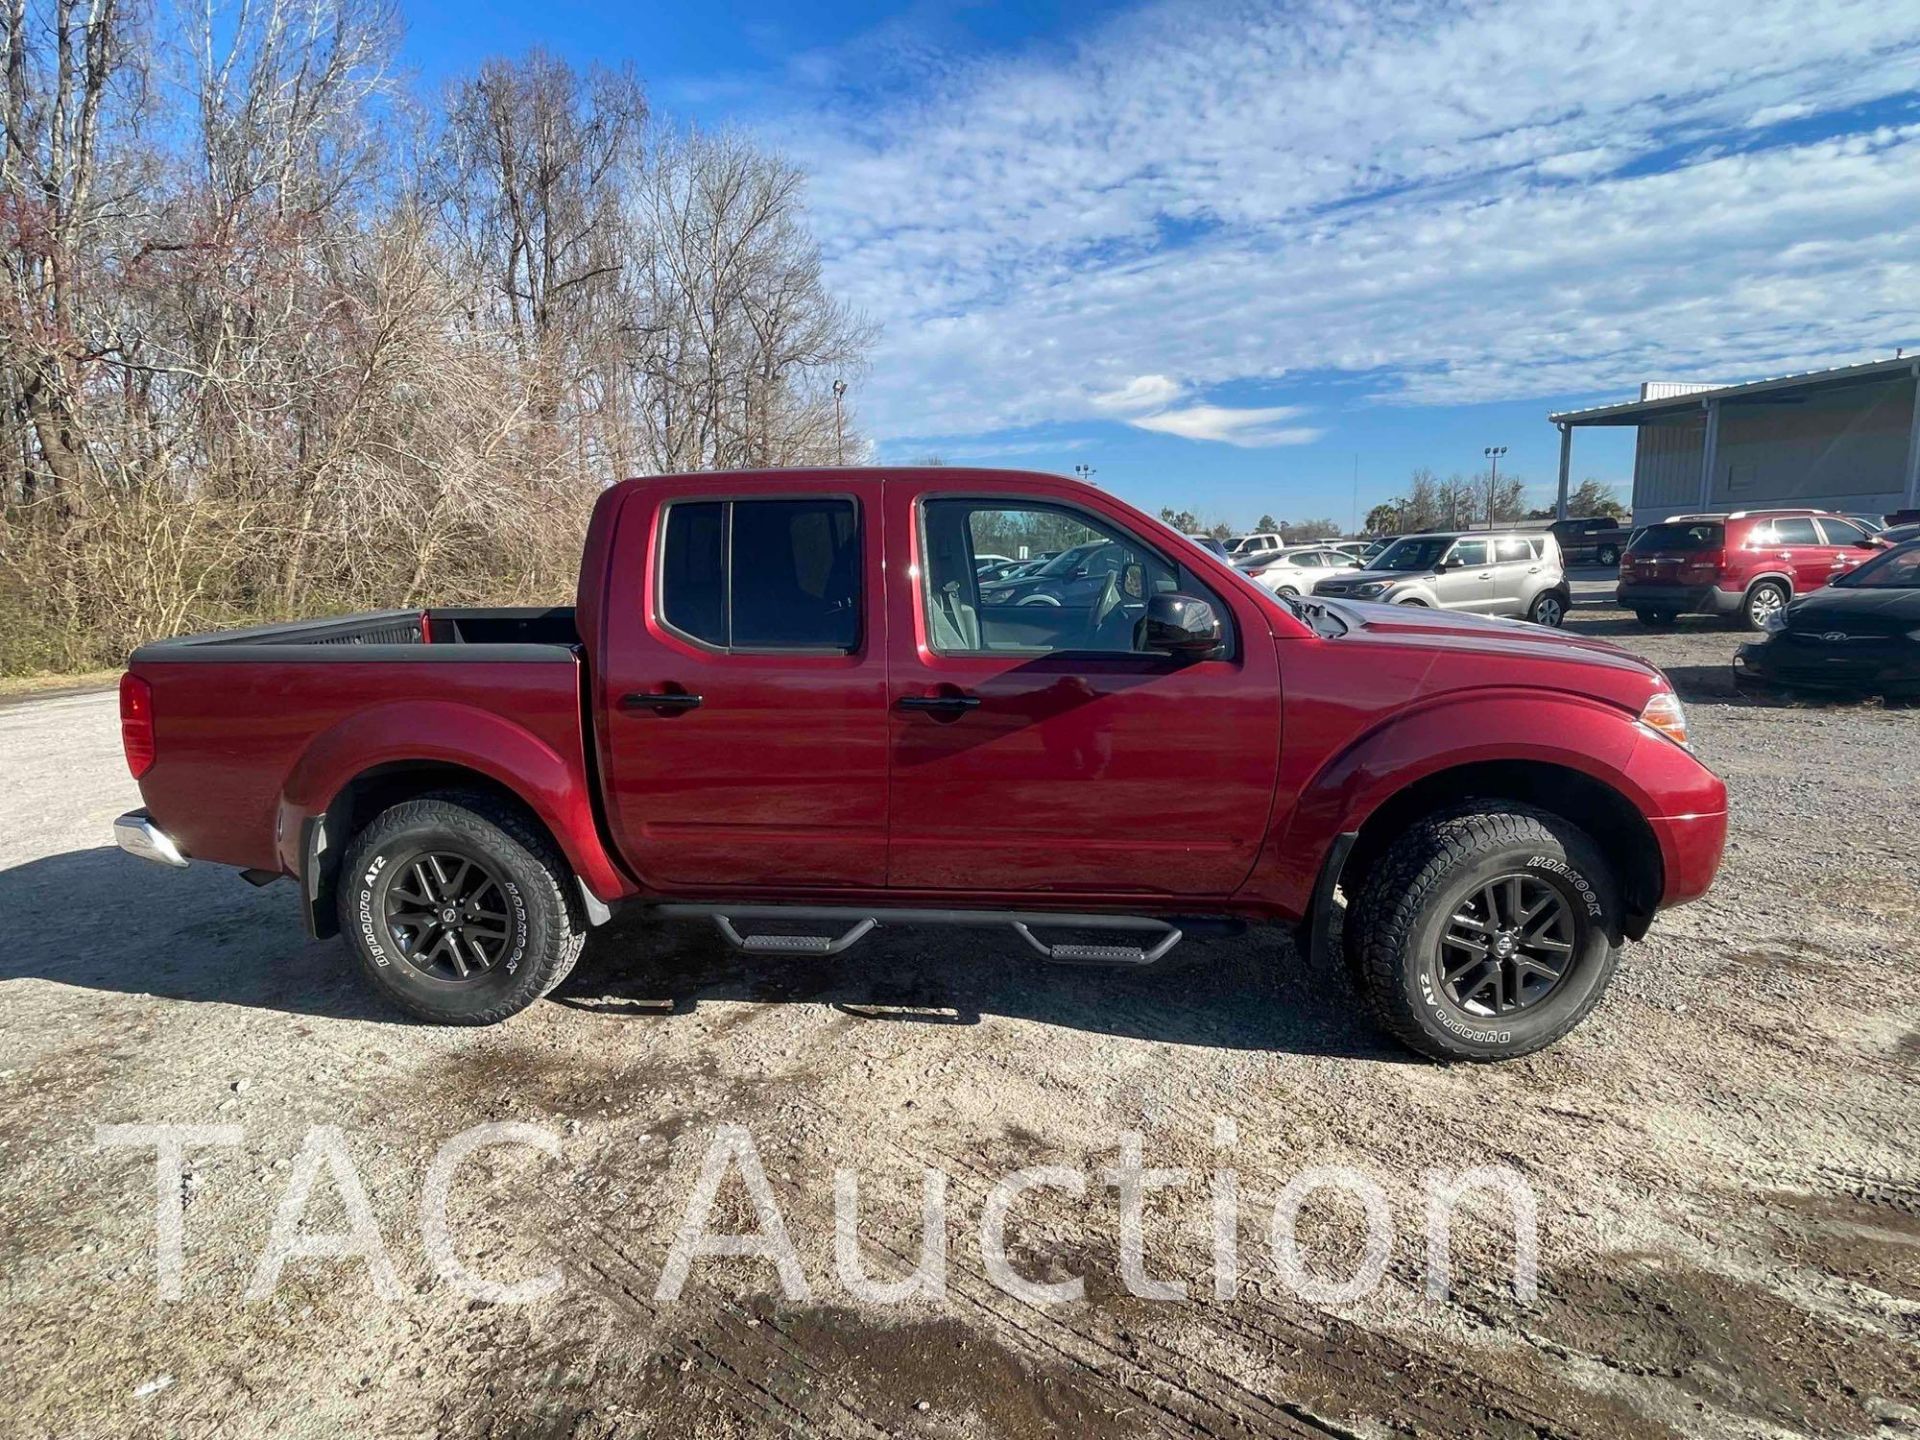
(1484, 575)
(938, 704)
(661, 704)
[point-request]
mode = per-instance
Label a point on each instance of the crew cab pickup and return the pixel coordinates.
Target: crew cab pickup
(784, 700)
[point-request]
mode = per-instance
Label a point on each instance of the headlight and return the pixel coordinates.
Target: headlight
(1663, 712)
(1775, 623)
(1913, 634)
(1373, 588)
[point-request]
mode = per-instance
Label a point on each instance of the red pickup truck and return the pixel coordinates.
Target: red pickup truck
(789, 700)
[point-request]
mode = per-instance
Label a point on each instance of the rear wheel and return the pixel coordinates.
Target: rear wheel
(1486, 933)
(456, 907)
(1608, 555)
(1763, 602)
(1547, 609)
(1654, 618)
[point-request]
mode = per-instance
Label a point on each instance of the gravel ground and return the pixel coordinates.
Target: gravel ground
(1724, 1157)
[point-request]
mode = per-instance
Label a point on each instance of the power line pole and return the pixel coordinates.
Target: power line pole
(839, 423)
(1354, 515)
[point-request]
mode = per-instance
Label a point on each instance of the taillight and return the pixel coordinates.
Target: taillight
(1256, 570)
(136, 723)
(1707, 564)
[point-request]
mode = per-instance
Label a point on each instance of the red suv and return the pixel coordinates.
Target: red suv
(1747, 564)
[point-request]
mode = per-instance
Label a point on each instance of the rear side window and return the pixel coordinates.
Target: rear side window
(763, 574)
(1512, 549)
(1787, 532)
(1657, 538)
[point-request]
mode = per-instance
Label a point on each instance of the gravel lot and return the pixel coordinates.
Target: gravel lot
(1725, 1156)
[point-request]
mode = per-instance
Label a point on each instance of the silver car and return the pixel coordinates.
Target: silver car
(1515, 573)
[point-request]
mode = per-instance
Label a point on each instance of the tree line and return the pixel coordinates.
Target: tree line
(1462, 501)
(281, 336)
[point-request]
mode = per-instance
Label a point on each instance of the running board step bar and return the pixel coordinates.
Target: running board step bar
(1158, 936)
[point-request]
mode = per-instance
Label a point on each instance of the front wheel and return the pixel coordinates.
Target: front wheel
(1547, 609)
(1288, 590)
(1487, 933)
(456, 907)
(1654, 619)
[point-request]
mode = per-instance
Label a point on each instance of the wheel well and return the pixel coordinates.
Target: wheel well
(373, 791)
(1785, 582)
(1612, 821)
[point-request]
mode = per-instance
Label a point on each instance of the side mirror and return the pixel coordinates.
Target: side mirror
(1181, 626)
(1440, 567)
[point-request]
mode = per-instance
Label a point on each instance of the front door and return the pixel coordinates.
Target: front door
(1036, 746)
(741, 695)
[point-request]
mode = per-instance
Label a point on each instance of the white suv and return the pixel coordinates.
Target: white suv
(1515, 572)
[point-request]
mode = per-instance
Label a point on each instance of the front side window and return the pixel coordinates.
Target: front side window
(1842, 532)
(1091, 596)
(763, 574)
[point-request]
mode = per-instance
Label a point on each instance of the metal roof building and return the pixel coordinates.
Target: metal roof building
(1841, 439)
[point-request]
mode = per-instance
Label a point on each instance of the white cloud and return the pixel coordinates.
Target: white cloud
(1253, 427)
(1143, 392)
(1226, 191)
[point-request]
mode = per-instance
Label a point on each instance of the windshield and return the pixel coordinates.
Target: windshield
(1896, 570)
(1677, 537)
(1422, 552)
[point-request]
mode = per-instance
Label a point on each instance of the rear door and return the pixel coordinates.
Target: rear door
(1516, 571)
(741, 690)
(1036, 751)
(1467, 582)
(1796, 546)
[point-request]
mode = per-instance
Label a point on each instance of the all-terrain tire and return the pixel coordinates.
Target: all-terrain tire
(545, 928)
(1427, 875)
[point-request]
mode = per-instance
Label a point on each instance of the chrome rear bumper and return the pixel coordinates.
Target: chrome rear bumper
(135, 833)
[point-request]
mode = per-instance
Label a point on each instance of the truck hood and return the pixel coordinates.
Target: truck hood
(1469, 651)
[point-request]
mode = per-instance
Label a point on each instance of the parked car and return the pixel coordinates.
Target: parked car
(1246, 548)
(1860, 634)
(988, 562)
(1597, 539)
(1212, 544)
(1872, 524)
(781, 696)
(1745, 566)
(1509, 572)
(1072, 578)
(1899, 534)
(1296, 572)
(1357, 549)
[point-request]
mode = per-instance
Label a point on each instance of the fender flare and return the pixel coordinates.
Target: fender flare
(1506, 726)
(449, 733)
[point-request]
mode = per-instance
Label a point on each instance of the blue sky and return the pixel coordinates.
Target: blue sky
(1218, 250)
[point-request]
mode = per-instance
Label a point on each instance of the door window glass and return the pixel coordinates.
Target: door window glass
(763, 574)
(1795, 532)
(1469, 552)
(1512, 548)
(1842, 532)
(1091, 596)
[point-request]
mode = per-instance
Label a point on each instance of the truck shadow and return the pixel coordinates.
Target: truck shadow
(101, 919)
(1246, 992)
(202, 935)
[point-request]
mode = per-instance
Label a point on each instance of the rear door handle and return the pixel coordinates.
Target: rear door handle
(938, 704)
(661, 704)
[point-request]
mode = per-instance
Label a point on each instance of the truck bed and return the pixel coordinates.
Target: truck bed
(256, 728)
(446, 634)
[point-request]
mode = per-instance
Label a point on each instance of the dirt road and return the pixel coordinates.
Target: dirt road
(1726, 1158)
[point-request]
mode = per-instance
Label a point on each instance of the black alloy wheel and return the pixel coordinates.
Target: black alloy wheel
(1507, 946)
(447, 916)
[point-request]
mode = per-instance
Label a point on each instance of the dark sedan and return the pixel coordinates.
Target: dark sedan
(1861, 634)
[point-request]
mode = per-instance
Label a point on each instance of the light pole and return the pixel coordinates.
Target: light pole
(839, 426)
(1085, 472)
(1493, 454)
